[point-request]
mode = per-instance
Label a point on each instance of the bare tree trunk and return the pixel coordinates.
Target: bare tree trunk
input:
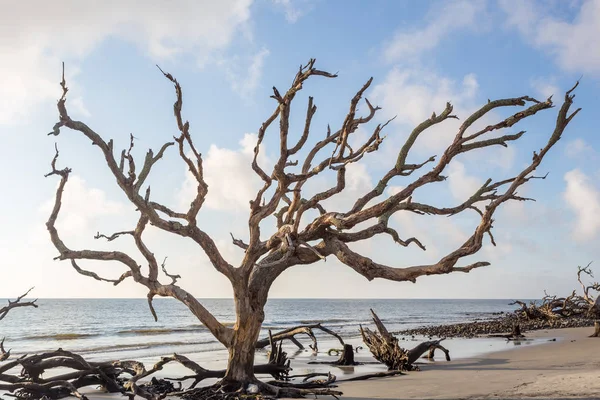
(240, 365)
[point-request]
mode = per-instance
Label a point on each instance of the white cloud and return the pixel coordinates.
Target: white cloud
(244, 81)
(293, 12)
(579, 148)
(443, 20)
(545, 87)
(412, 95)
(438, 234)
(574, 44)
(36, 36)
(231, 181)
(584, 199)
(462, 186)
(392, 190)
(82, 206)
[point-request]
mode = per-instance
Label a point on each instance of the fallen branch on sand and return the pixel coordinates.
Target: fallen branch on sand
(347, 351)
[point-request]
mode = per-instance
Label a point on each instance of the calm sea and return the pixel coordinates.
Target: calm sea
(125, 329)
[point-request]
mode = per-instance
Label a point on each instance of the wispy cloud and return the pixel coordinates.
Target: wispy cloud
(293, 9)
(444, 19)
(244, 75)
(232, 183)
(69, 30)
(584, 200)
(573, 43)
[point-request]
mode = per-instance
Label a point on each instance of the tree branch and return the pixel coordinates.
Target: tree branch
(16, 304)
(222, 333)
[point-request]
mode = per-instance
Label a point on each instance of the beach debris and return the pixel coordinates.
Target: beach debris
(515, 334)
(574, 311)
(346, 353)
(596, 329)
(386, 349)
(4, 355)
(290, 334)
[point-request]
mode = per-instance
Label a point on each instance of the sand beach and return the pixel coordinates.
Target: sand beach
(566, 368)
(564, 363)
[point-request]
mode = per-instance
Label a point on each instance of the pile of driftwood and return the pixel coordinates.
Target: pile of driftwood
(577, 306)
(573, 311)
(584, 305)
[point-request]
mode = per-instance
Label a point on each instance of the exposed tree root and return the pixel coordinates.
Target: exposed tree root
(117, 376)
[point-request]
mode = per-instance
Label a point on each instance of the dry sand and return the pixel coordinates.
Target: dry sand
(566, 368)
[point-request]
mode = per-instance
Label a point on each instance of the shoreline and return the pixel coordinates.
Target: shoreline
(567, 367)
(507, 370)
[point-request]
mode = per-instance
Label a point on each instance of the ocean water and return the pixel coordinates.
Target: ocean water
(125, 329)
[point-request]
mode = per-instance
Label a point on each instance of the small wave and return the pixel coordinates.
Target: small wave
(138, 346)
(160, 331)
(326, 321)
(60, 336)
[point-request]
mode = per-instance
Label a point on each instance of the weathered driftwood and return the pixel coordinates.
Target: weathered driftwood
(346, 352)
(575, 305)
(386, 349)
(290, 333)
(596, 329)
(515, 334)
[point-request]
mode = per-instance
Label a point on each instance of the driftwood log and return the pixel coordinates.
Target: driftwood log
(290, 333)
(386, 349)
(346, 352)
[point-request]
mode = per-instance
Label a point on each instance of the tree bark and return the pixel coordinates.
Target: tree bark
(240, 365)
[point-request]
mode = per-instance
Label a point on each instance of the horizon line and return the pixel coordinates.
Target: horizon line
(283, 298)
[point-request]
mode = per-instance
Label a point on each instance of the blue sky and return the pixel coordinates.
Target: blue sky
(228, 55)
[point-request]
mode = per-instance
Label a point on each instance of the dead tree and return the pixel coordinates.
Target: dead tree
(306, 232)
